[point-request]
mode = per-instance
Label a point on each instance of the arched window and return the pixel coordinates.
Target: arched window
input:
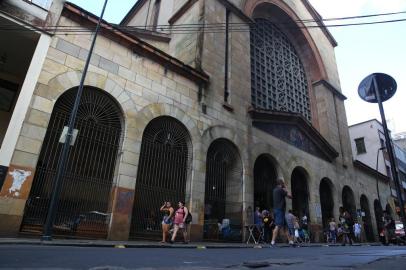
(278, 79)
(223, 191)
(88, 178)
(165, 159)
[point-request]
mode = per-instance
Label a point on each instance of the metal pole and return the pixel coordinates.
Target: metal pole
(47, 235)
(391, 155)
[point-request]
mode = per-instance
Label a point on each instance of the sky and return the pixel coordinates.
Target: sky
(361, 50)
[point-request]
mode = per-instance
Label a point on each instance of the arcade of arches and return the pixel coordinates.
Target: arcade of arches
(163, 175)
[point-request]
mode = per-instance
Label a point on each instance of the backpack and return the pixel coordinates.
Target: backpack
(188, 218)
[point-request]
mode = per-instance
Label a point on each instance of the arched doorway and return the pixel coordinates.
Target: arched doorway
(326, 200)
(300, 193)
(349, 201)
(366, 218)
(87, 182)
(223, 192)
(163, 169)
(378, 215)
(264, 182)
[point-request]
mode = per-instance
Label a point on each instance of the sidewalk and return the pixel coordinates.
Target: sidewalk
(150, 244)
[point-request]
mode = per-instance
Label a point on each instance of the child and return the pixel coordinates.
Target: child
(268, 223)
(333, 230)
(357, 231)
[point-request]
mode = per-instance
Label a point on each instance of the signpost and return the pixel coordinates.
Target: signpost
(378, 88)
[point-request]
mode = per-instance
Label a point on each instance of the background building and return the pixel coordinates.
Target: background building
(23, 48)
(369, 149)
(211, 114)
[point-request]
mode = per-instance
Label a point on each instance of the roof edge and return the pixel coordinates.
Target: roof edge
(372, 172)
(146, 49)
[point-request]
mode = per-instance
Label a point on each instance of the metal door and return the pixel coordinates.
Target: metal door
(223, 192)
(162, 174)
(86, 187)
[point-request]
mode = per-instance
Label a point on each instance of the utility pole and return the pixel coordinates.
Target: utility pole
(56, 189)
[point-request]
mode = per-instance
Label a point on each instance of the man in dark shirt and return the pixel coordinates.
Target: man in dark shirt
(280, 193)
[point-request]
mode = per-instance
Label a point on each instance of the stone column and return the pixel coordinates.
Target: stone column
(20, 174)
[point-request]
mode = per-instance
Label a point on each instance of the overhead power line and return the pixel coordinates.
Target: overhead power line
(213, 27)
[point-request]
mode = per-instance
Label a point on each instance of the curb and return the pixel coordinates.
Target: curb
(151, 245)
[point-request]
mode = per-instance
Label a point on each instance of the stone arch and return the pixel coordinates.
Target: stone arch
(224, 191)
(62, 82)
(348, 200)
(298, 32)
(265, 175)
(326, 191)
(87, 183)
(366, 218)
(138, 121)
(164, 173)
(277, 11)
(259, 149)
(300, 192)
(217, 132)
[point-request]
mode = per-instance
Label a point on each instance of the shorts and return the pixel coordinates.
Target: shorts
(166, 221)
(180, 226)
(279, 216)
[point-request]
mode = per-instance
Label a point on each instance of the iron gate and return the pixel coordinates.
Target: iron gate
(223, 192)
(87, 182)
(162, 174)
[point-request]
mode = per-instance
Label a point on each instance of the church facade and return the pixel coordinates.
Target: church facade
(206, 102)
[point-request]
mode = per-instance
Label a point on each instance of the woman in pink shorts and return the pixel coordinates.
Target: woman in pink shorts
(179, 222)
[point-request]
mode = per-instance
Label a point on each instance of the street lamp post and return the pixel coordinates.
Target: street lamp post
(56, 189)
(377, 88)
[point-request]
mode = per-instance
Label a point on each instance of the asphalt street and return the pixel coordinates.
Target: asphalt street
(362, 257)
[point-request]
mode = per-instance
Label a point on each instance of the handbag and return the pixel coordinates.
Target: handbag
(189, 218)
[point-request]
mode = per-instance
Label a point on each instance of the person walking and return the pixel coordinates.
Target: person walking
(333, 231)
(347, 226)
(180, 222)
(280, 193)
(167, 209)
(357, 231)
(293, 224)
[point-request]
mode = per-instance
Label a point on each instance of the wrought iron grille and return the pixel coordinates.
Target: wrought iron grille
(86, 186)
(162, 174)
(278, 79)
(223, 192)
